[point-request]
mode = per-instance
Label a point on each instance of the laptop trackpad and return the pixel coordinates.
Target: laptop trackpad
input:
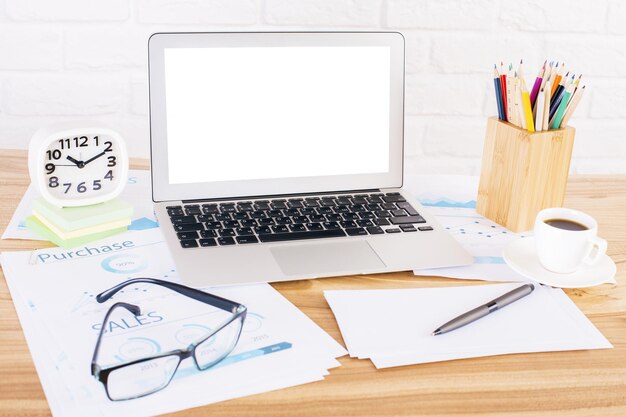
(325, 258)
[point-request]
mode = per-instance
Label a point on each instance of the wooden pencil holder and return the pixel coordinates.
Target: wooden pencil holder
(522, 173)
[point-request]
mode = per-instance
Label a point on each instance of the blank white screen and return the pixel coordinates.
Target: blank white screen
(246, 113)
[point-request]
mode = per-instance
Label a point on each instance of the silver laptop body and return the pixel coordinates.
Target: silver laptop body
(279, 156)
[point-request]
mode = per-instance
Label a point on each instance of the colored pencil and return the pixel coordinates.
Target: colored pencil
(498, 89)
(539, 110)
(557, 79)
(528, 111)
(559, 88)
(558, 117)
(571, 106)
(546, 106)
(519, 104)
(537, 85)
(503, 88)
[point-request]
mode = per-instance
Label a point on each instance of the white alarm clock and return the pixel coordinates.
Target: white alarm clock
(78, 164)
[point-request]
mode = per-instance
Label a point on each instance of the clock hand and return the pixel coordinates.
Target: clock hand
(95, 157)
(79, 164)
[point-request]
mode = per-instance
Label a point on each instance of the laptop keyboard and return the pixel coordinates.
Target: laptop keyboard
(278, 220)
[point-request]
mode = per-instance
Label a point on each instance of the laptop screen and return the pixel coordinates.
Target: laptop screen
(251, 113)
(245, 114)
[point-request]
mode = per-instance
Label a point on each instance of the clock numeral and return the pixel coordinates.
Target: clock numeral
(67, 186)
(81, 187)
(109, 146)
(109, 176)
(50, 168)
(96, 139)
(64, 142)
(83, 140)
(112, 162)
(96, 185)
(55, 154)
(53, 182)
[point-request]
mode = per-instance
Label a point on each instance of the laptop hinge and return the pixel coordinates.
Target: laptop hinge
(274, 196)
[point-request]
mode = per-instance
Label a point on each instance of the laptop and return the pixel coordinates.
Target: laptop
(279, 156)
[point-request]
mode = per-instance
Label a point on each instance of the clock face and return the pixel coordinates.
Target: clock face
(83, 167)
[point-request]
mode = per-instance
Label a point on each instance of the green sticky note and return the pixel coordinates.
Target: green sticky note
(35, 225)
(69, 219)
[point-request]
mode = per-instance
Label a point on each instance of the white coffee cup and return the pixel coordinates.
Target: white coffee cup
(565, 251)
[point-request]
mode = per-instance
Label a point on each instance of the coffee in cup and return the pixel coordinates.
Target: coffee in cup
(566, 239)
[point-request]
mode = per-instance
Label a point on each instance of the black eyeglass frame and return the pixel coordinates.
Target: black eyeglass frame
(238, 310)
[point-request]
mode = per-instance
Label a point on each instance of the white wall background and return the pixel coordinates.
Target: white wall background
(68, 59)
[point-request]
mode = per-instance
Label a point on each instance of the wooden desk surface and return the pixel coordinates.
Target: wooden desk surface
(584, 383)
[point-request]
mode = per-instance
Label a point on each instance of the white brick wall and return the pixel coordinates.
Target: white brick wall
(68, 59)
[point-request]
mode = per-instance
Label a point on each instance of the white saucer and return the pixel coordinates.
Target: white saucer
(521, 255)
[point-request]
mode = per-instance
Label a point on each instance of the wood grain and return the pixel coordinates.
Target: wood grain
(584, 383)
(522, 173)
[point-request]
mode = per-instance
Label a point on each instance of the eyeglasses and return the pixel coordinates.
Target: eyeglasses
(145, 376)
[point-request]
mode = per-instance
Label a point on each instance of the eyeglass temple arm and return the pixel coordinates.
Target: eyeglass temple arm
(198, 295)
(130, 307)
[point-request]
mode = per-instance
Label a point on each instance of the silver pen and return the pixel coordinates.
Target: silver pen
(485, 309)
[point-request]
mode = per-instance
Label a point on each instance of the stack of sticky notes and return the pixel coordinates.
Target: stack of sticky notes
(74, 226)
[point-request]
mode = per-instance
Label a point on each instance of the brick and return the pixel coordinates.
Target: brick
(65, 95)
(68, 10)
(134, 129)
(37, 49)
(139, 103)
(617, 17)
(460, 54)
(600, 140)
(418, 165)
(227, 12)
(441, 14)
(608, 100)
(445, 94)
(88, 49)
(554, 16)
(417, 52)
(455, 136)
(414, 127)
(323, 12)
(589, 55)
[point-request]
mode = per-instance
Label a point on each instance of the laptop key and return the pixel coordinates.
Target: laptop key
(319, 234)
(315, 226)
(262, 229)
(187, 235)
(210, 209)
(247, 239)
(214, 225)
(330, 225)
(175, 212)
(188, 227)
(382, 213)
(408, 228)
(266, 222)
(183, 219)
(367, 215)
(189, 243)
(398, 213)
(207, 242)
(375, 230)
(281, 228)
(333, 217)
(407, 220)
(190, 211)
(393, 198)
(358, 231)
(363, 223)
(425, 228)
(409, 208)
(223, 217)
(244, 231)
(297, 228)
(389, 206)
(227, 232)
(347, 224)
(283, 220)
(393, 230)
(381, 222)
(225, 241)
(206, 234)
(230, 224)
(249, 223)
